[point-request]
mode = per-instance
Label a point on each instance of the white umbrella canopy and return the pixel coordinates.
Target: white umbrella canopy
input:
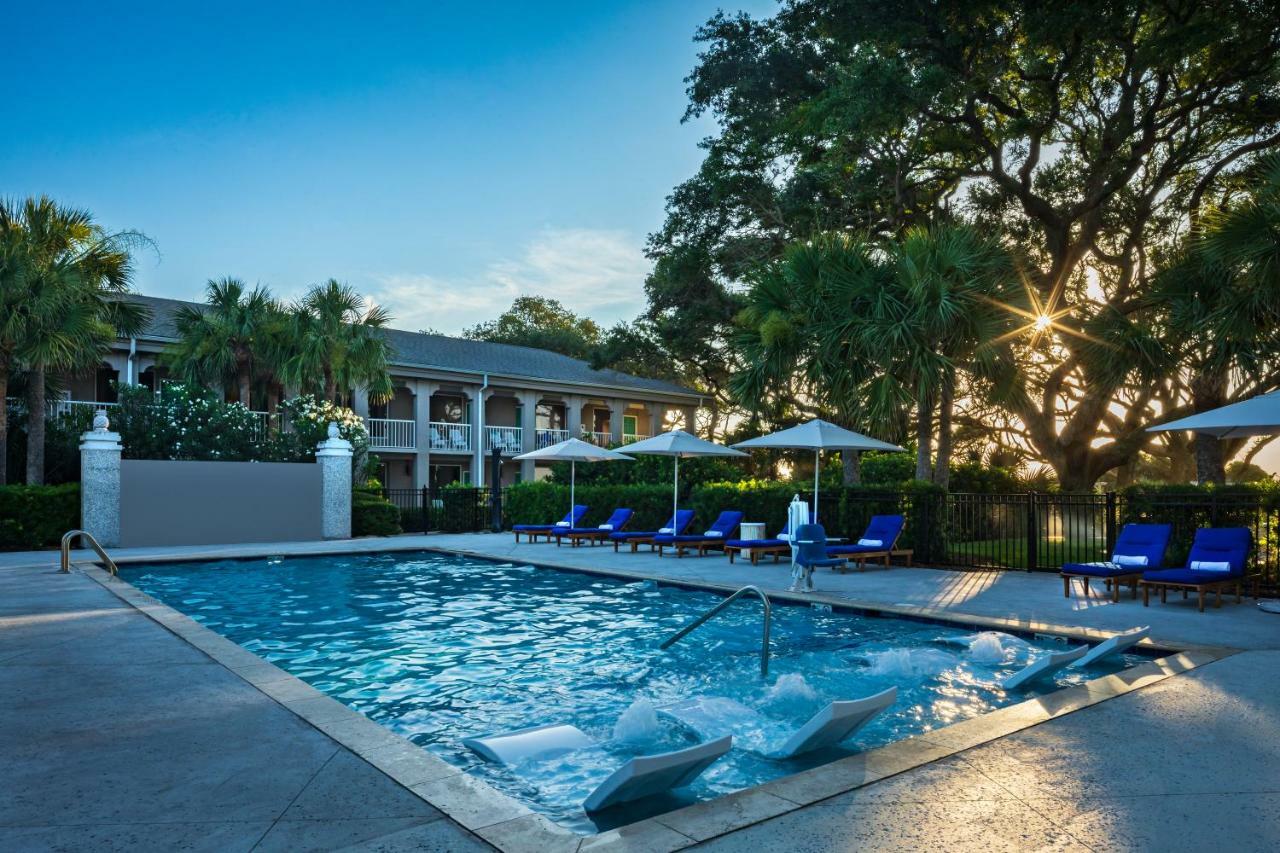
(679, 444)
(818, 435)
(1256, 416)
(573, 451)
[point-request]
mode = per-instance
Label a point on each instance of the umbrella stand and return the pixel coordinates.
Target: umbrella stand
(573, 482)
(675, 495)
(817, 467)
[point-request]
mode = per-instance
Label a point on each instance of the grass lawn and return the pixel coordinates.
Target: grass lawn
(1012, 552)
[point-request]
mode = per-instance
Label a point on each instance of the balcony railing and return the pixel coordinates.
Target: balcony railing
(603, 439)
(507, 439)
(449, 437)
(547, 437)
(632, 437)
(391, 433)
(65, 408)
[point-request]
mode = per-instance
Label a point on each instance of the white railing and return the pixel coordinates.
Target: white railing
(633, 437)
(450, 437)
(388, 432)
(64, 408)
(548, 437)
(507, 439)
(603, 439)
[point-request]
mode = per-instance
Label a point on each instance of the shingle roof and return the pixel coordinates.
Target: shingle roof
(414, 349)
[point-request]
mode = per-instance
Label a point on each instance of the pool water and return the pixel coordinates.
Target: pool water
(439, 648)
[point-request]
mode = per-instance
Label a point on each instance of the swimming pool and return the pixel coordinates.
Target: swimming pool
(439, 648)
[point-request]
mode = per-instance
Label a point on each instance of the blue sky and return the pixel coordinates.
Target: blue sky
(442, 157)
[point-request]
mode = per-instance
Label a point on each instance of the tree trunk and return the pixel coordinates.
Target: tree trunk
(330, 386)
(1211, 466)
(244, 380)
(946, 405)
(1209, 391)
(35, 427)
(924, 437)
(4, 424)
(851, 460)
(273, 397)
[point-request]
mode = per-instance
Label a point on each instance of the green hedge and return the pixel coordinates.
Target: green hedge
(1188, 507)
(545, 502)
(37, 516)
(371, 515)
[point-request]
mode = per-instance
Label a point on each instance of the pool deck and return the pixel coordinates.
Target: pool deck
(125, 726)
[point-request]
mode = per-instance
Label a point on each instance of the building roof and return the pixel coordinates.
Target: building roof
(415, 349)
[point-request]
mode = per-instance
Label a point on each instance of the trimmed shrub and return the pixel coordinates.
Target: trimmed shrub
(37, 516)
(371, 515)
(758, 499)
(1188, 507)
(545, 502)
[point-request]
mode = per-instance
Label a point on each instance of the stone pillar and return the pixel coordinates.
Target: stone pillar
(657, 417)
(528, 432)
(422, 431)
(616, 409)
(333, 455)
(100, 482)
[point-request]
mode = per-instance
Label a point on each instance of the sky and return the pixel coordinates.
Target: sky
(443, 158)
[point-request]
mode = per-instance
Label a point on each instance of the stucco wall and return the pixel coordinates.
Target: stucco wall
(210, 503)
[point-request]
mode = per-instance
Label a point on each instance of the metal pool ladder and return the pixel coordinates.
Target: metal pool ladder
(93, 543)
(746, 590)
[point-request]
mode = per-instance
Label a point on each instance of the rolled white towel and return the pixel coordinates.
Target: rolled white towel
(785, 537)
(871, 543)
(713, 533)
(563, 524)
(1129, 559)
(606, 527)
(1210, 566)
(666, 530)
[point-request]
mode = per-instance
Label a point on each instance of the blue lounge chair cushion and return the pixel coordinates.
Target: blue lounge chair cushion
(885, 528)
(1211, 545)
(573, 518)
(681, 521)
(756, 543)
(1134, 540)
(725, 525)
(616, 522)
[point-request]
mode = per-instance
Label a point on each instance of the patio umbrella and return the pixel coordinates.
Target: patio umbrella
(573, 451)
(1256, 416)
(678, 444)
(818, 435)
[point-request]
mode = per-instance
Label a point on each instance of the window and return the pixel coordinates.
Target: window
(549, 416)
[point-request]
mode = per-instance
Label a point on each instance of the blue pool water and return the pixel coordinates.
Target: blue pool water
(439, 648)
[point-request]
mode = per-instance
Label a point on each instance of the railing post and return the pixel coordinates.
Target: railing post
(1033, 532)
(1112, 523)
(426, 509)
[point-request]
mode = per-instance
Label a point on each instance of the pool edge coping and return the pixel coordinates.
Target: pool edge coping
(511, 826)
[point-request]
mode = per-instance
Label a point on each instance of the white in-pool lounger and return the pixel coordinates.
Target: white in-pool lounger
(835, 723)
(1112, 646)
(1046, 665)
(642, 776)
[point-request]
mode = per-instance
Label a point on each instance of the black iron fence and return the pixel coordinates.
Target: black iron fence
(1025, 531)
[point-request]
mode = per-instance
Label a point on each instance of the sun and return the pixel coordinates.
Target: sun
(1043, 323)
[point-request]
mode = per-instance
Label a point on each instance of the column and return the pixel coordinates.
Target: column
(616, 410)
(333, 455)
(573, 416)
(690, 418)
(360, 401)
(657, 417)
(422, 430)
(100, 482)
(528, 431)
(478, 399)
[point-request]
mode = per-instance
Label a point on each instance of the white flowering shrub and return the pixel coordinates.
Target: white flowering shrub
(308, 422)
(187, 422)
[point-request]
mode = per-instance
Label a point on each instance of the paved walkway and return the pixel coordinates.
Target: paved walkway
(116, 734)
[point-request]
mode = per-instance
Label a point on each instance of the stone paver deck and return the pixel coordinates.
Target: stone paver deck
(115, 733)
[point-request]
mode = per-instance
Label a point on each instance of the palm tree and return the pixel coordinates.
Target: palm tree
(340, 342)
(68, 312)
(233, 341)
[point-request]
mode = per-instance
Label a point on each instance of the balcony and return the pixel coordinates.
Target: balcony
(390, 434)
(448, 437)
(602, 439)
(632, 438)
(508, 440)
(547, 437)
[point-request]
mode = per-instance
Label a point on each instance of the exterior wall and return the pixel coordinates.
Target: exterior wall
(209, 503)
(500, 411)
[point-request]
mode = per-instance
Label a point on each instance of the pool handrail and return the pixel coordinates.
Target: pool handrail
(768, 617)
(85, 536)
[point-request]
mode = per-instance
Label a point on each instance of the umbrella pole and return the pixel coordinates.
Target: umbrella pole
(817, 466)
(675, 497)
(573, 481)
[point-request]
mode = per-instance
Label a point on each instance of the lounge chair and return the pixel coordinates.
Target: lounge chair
(720, 531)
(577, 535)
(1139, 548)
(532, 531)
(878, 542)
(642, 776)
(678, 523)
(1217, 560)
(778, 546)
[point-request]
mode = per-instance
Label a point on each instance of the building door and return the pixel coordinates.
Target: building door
(629, 425)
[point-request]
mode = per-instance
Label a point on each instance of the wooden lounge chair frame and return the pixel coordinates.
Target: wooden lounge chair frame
(1215, 587)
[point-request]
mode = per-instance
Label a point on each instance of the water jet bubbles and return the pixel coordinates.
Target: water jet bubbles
(638, 724)
(986, 648)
